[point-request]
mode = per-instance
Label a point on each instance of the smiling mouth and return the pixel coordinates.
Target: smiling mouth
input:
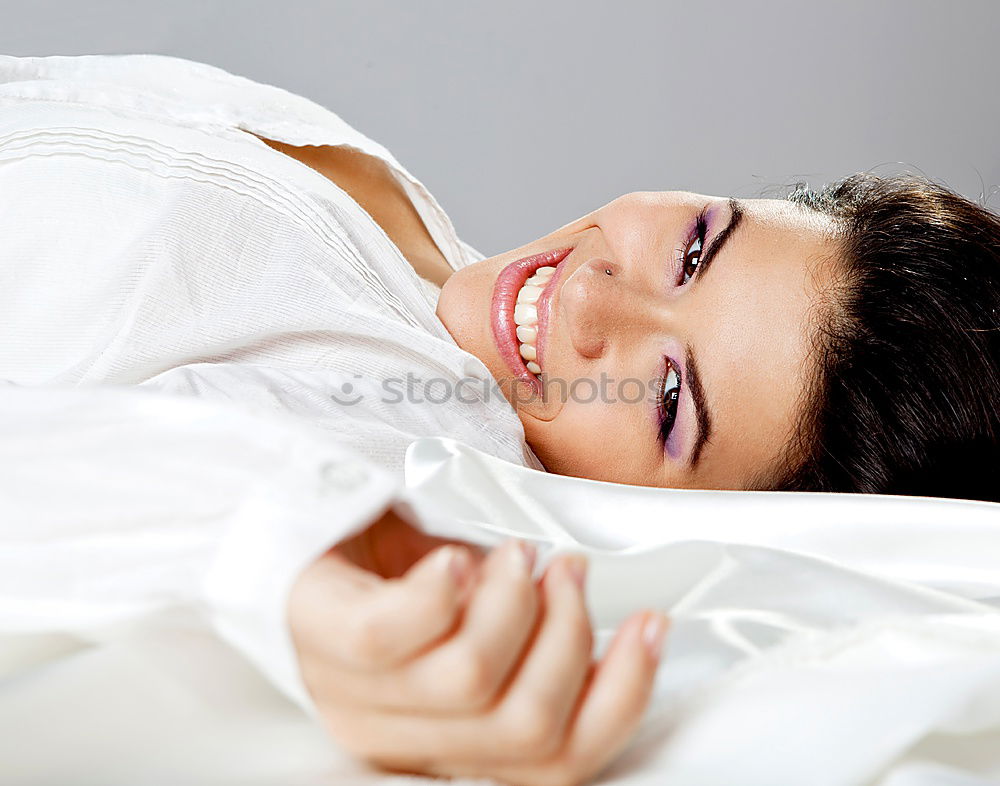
(519, 311)
(526, 316)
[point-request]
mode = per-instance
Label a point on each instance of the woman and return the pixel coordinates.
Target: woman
(723, 343)
(800, 351)
(792, 366)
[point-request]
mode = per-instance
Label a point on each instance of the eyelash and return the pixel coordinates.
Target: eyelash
(700, 230)
(668, 397)
(668, 408)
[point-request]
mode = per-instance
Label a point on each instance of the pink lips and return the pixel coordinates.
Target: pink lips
(508, 284)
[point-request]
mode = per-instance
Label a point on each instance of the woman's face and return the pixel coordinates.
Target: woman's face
(674, 337)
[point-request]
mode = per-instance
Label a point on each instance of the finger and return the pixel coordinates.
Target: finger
(533, 713)
(496, 627)
(368, 628)
(466, 671)
(535, 708)
(615, 698)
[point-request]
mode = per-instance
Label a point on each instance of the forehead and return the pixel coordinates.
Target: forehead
(762, 303)
(780, 215)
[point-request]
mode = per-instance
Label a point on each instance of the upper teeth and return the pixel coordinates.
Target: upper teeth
(526, 315)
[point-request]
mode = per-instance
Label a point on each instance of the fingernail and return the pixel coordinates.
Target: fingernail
(521, 555)
(455, 562)
(460, 564)
(529, 552)
(654, 630)
(577, 564)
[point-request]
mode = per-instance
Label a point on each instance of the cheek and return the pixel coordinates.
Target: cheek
(595, 440)
(755, 349)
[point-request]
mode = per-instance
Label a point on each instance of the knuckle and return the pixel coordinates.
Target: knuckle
(534, 729)
(439, 606)
(472, 681)
(366, 641)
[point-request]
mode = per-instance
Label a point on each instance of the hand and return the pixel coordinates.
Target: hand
(426, 657)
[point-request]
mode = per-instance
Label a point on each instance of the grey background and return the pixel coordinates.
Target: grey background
(520, 116)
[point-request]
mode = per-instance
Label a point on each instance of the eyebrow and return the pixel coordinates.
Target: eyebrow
(702, 414)
(735, 218)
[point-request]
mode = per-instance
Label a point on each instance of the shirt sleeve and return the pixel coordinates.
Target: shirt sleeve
(120, 503)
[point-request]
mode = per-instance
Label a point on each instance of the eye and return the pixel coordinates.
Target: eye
(670, 391)
(690, 256)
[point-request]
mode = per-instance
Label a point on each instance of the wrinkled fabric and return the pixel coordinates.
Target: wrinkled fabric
(816, 638)
(800, 651)
(150, 238)
(197, 333)
(119, 506)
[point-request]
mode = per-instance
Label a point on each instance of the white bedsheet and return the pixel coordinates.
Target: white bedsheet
(817, 639)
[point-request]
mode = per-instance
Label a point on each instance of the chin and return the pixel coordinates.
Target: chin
(464, 310)
(455, 307)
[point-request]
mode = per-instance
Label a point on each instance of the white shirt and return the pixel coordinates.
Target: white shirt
(149, 238)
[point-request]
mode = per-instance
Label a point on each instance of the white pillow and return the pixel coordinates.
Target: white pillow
(949, 544)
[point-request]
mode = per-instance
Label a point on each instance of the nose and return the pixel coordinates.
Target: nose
(599, 303)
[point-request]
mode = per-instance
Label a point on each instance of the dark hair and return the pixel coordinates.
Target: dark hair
(908, 397)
